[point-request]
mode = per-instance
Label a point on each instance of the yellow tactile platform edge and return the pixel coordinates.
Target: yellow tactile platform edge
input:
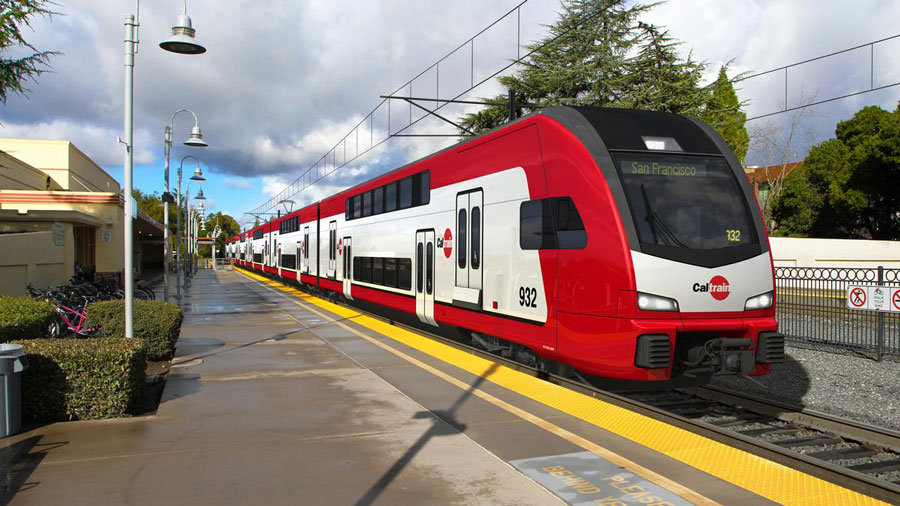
(763, 477)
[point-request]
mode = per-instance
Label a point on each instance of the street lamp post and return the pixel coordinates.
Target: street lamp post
(196, 140)
(189, 219)
(180, 251)
(182, 41)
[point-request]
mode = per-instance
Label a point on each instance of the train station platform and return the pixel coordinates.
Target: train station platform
(279, 397)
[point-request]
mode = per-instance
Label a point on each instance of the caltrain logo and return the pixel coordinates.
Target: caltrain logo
(718, 287)
(446, 242)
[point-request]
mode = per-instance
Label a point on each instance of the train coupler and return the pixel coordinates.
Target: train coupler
(731, 355)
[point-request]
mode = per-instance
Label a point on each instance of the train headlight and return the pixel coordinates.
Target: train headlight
(763, 301)
(648, 302)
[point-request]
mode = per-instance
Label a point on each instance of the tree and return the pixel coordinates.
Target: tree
(778, 149)
(152, 204)
(228, 228)
(14, 15)
(598, 53)
(848, 186)
(723, 112)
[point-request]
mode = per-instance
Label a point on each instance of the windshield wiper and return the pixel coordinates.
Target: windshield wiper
(658, 226)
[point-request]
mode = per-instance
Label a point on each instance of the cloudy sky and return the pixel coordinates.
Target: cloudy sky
(285, 81)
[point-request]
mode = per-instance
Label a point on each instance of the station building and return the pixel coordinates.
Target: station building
(58, 207)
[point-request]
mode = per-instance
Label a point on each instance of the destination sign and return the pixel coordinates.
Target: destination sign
(665, 169)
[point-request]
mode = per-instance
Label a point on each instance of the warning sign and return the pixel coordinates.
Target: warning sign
(874, 298)
(878, 298)
(856, 297)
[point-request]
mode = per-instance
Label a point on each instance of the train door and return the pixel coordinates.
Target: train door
(347, 256)
(332, 248)
(469, 238)
(425, 276)
(274, 250)
(304, 256)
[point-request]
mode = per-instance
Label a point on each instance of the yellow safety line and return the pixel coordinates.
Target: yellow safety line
(763, 477)
(809, 294)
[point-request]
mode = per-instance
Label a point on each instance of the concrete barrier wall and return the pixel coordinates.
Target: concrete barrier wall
(801, 252)
(36, 258)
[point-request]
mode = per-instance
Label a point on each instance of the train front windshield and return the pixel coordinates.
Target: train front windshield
(683, 203)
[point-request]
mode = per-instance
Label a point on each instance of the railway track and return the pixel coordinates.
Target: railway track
(858, 456)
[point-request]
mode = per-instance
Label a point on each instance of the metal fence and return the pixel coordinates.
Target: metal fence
(812, 309)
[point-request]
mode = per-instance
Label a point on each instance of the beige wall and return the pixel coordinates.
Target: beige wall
(63, 162)
(803, 252)
(35, 258)
(18, 175)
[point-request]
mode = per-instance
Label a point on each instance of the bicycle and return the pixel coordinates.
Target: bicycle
(75, 325)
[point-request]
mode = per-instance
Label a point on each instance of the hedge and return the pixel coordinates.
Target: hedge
(24, 318)
(157, 323)
(81, 379)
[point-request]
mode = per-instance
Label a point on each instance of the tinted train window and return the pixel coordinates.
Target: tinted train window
(461, 233)
(390, 272)
(378, 271)
(429, 267)
(419, 268)
(405, 193)
(357, 206)
(570, 233)
(552, 223)
(390, 197)
(476, 237)
(404, 273)
(367, 204)
(536, 225)
(685, 202)
(379, 201)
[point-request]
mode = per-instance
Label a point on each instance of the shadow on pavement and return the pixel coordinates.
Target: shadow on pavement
(441, 418)
(19, 460)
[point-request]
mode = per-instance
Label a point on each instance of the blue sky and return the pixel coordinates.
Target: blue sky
(284, 80)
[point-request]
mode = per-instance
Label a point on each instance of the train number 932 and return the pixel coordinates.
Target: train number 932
(527, 296)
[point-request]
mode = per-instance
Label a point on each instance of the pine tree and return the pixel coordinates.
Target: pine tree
(14, 14)
(723, 112)
(598, 53)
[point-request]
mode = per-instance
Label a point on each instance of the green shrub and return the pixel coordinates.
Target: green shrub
(24, 318)
(81, 379)
(157, 323)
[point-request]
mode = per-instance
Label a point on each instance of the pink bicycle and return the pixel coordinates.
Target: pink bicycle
(74, 320)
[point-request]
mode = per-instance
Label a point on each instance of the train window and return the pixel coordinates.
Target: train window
(367, 204)
(536, 225)
(405, 193)
(289, 261)
(426, 187)
(390, 272)
(404, 273)
(331, 243)
(379, 200)
(378, 271)
(357, 264)
(366, 274)
(417, 189)
(390, 197)
(570, 233)
(357, 206)
(461, 234)
(429, 267)
(476, 237)
(419, 268)
(347, 209)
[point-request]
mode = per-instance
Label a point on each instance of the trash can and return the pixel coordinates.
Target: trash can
(12, 362)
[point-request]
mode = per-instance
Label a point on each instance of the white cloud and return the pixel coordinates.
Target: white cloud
(237, 183)
(97, 142)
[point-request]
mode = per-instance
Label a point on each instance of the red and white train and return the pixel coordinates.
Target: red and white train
(625, 244)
